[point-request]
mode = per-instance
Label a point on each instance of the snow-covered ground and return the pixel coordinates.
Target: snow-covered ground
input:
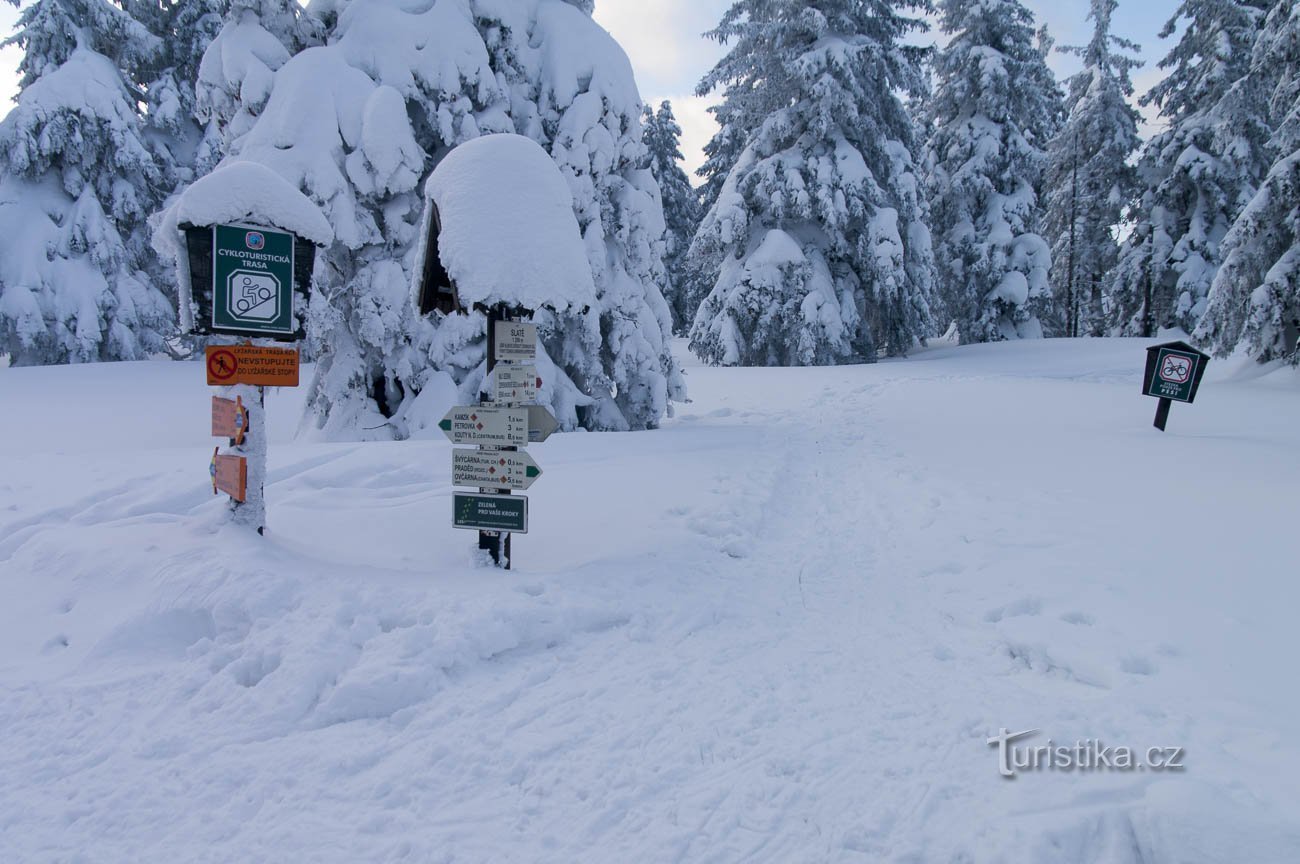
(780, 629)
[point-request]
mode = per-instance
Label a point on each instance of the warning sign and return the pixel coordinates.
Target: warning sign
(252, 364)
(1174, 371)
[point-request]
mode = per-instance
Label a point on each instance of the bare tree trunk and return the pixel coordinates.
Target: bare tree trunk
(1071, 293)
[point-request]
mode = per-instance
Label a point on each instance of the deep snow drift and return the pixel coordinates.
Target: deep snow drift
(779, 629)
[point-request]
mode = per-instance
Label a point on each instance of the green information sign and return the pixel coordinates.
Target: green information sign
(1174, 376)
(252, 281)
(490, 512)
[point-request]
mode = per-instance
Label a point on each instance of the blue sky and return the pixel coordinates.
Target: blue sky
(663, 39)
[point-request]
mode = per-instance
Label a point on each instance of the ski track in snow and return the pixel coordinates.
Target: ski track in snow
(788, 643)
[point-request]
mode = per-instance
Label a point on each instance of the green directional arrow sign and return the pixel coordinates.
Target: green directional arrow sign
(493, 469)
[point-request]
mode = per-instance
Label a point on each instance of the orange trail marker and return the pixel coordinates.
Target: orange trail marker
(229, 419)
(252, 364)
(229, 475)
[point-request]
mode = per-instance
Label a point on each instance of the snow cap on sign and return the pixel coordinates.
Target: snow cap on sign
(249, 192)
(508, 230)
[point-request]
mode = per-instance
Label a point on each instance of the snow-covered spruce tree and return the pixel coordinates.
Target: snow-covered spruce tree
(77, 180)
(1089, 179)
(681, 208)
(1197, 174)
(991, 116)
(817, 234)
(233, 77)
(184, 29)
(1255, 297)
(359, 123)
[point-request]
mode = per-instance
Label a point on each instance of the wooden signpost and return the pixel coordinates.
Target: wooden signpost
(1173, 374)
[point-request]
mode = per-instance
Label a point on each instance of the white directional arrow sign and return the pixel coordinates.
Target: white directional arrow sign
(514, 384)
(474, 424)
(493, 469)
(541, 423)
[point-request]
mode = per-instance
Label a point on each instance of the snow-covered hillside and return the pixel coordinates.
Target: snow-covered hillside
(781, 628)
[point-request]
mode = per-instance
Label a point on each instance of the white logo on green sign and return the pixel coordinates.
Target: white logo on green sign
(253, 296)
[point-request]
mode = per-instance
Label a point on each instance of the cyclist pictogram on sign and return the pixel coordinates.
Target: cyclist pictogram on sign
(1176, 369)
(253, 296)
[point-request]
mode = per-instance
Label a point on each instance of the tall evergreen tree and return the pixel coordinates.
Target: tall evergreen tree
(991, 115)
(1197, 174)
(681, 208)
(358, 123)
(1255, 297)
(79, 179)
(1089, 178)
(817, 235)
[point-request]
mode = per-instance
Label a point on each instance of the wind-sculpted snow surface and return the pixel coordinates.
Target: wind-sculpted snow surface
(792, 643)
(359, 124)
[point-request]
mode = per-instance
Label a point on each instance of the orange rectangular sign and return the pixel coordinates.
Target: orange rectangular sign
(252, 364)
(229, 475)
(229, 418)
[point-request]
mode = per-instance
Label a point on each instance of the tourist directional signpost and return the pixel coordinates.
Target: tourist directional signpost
(493, 469)
(503, 422)
(486, 425)
(229, 419)
(515, 384)
(229, 475)
(1173, 374)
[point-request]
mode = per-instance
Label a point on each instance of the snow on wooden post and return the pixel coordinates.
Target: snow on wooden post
(247, 248)
(500, 238)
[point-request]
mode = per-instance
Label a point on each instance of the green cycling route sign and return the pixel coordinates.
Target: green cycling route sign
(252, 281)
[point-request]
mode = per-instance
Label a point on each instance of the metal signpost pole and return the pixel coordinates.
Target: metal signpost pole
(497, 543)
(1162, 413)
